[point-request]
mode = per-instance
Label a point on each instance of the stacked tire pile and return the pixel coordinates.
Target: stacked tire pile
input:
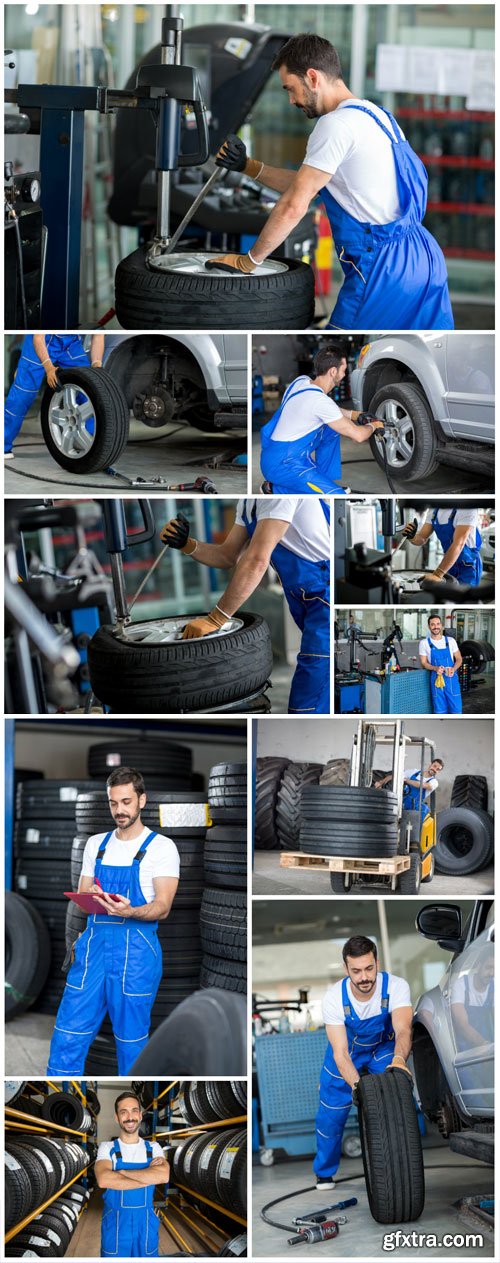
(465, 830)
(280, 783)
(223, 917)
(214, 1163)
(36, 1167)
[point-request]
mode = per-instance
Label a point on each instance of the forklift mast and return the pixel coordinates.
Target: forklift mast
(389, 732)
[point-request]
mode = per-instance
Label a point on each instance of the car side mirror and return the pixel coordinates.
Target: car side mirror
(443, 923)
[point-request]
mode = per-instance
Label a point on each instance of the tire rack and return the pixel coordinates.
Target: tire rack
(193, 1131)
(18, 1120)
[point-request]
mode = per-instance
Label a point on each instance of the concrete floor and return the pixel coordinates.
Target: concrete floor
(362, 1237)
(270, 879)
(27, 1042)
(362, 474)
(181, 457)
(479, 701)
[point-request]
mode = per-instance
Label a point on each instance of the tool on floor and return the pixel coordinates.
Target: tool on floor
(317, 1232)
(192, 210)
(319, 1216)
(201, 484)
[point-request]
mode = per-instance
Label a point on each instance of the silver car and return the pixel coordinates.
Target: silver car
(454, 1029)
(198, 379)
(438, 391)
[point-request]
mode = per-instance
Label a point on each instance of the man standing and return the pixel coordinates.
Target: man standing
(291, 534)
(301, 442)
(117, 963)
(458, 533)
(374, 189)
(368, 1019)
(41, 356)
(128, 1169)
(439, 654)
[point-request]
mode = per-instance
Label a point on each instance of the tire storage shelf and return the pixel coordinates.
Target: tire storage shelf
(209, 1155)
(47, 1166)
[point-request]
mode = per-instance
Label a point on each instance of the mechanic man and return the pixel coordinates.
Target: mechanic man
(368, 1017)
(473, 1001)
(460, 538)
(292, 535)
(374, 189)
(411, 786)
(41, 356)
(301, 442)
(439, 654)
(117, 961)
(128, 1169)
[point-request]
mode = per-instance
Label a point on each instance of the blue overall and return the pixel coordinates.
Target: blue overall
(65, 351)
(469, 567)
(394, 274)
(411, 795)
(447, 700)
(117, 970)
(370, 1044)
(306, 585)
(289, 466)
(130, 1227)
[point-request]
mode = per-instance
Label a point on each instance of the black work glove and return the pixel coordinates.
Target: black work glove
(176, 532)
(367, 418)
(410, 530)
(355, 1097)
(232, 154)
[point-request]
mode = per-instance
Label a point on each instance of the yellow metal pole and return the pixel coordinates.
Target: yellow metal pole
(70, 1131)
(187, 1131)
(214, 1205)
(175, 1233)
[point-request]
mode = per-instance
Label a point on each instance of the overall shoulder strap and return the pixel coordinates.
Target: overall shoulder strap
(345, 999)
(394, 137)
(115, 1151)
(149, 1150)
(104, 843)
(143, 848)
(384, 999)
(452, 516)
(326, 510)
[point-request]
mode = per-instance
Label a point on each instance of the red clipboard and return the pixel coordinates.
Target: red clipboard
(87, 901)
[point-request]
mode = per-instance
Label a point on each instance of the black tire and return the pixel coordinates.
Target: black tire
(226, 857)
(338, 883)
(156, 757)
(425, 880)
(288, 806)
(111, 418)
(391, 1147)
(351, 803)
(27, 955)
(409, 881)
(18, 1195)
(92, 812)
(464, 841)
(470, 791)
(269, 775)
(474, 653)
(67, 1110)
(409, 399)
(229, 974)
(236, 1248)
(50, 800)
(206, 1035)
(223, 920)
(147, 299)
(335, 772)
(186, 675)
(341, 840)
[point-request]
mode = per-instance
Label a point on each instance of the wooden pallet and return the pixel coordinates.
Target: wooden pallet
(390, 867)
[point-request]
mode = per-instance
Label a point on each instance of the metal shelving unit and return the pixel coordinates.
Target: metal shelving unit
(18, 1120)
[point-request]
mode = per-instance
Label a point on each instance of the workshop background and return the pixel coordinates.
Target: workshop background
(318, 752)
(57, 560)
(430, 65)
(55, 796)
(52, 1137)
(376, 658)
(297, 950)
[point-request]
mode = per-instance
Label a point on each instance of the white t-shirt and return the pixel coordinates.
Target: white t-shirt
(430, 782)
(305, 413)
(463, 517)
(307, 535)
(475, 998)
(425, 652)
(333, 1009)
(130, 1153)
(359, 158)
(161, 858)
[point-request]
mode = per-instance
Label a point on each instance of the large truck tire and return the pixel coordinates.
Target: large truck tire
(391, 1147)
(183, 675)
(27, 954)
(153, 757)
(66, 418)
(464, 841)
(470, 791)
(149, 299)
(335, 772)
(353, 822)
(269, 776)
(288, 810)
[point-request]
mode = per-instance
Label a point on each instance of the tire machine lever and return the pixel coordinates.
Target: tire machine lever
(116, 541)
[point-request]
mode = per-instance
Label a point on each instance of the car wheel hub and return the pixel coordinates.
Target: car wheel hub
(71, 418)
(400, 438)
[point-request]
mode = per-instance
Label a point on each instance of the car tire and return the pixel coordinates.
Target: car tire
(464, 841)
(205, 1035)
(408, 401)
(391, 1147)
(184, 675)
(149, 299)
(111, 420)
(223, 921)
(288, 806)
(28, 955)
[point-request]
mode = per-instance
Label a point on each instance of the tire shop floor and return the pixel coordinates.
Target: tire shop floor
(86, 1241)
(362, 473)
(270, 879)
(181, 457)
(362, 1237)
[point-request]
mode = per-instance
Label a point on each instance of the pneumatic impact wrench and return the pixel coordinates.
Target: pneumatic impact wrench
(309, 1235)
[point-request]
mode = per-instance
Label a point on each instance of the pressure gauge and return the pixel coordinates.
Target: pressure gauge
(30, 189)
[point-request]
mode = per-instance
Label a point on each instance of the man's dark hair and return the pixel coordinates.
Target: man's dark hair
(440, 761)
(309, 52)
(126, 776)
(127, 1096)
(330, 356)
(358, 945)
(430, 618)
